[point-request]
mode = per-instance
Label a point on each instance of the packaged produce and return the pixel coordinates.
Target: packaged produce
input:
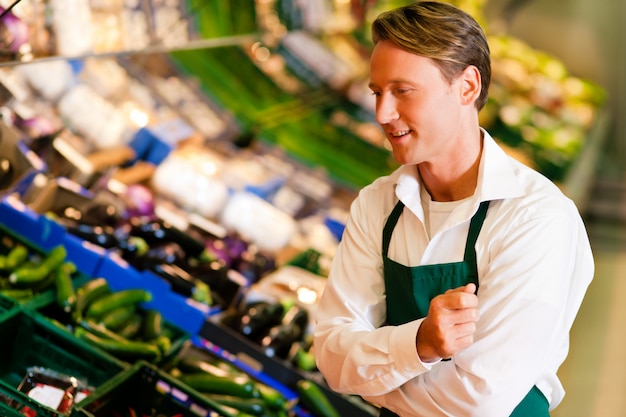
(53, 389)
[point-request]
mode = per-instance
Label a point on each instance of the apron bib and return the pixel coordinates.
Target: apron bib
(409, 291)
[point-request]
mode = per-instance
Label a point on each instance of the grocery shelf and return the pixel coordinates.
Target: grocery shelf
(198, 44)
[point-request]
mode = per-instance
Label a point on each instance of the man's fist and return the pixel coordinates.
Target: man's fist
(450, 324)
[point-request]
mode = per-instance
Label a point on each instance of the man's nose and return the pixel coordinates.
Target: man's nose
(386, 110)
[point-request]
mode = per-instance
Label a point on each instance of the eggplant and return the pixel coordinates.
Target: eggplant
(98, 235)
(253, 265)
(101, 214)
(158, 231)
(166, 253)
(184, 283)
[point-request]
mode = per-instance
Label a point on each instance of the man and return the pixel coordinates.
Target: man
(459, 275)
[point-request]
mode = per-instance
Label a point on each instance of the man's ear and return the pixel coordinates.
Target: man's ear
(470, 84)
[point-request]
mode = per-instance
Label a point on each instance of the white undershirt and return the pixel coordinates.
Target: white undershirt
(437, 212)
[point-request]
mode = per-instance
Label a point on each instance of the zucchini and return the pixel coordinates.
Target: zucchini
(16, 256)
(315, 400)
(152, 326)
(18, 293)
(26, 276)
(65, 293)
(126, 350)
(252, 406)
(272, 397)
(215, 384)
(88, 293)
(108, 302)
(194, 365)
(118, 317)
(101, 331)
(131, 329)
(164, 343)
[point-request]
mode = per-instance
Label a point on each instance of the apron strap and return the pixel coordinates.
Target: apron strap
(474, 230)
(390, 225)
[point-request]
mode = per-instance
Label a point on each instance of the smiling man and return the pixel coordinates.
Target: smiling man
(459, 275)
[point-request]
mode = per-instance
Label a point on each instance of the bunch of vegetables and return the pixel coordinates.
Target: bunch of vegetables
(27, 273)
(240, 394)
(114, 321)
(196, 264)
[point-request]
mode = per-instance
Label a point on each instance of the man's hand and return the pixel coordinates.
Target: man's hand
(450, 324)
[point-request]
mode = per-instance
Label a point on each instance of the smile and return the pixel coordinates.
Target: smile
(400, 133)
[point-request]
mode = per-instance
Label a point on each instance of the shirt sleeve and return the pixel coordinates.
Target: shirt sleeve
(533, 270)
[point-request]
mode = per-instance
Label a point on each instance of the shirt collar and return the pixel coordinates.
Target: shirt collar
(496, 179)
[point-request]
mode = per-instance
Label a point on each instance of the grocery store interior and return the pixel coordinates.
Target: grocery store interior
(175, 176)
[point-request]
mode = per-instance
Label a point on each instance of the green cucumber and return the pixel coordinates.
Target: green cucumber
(16, 256)
(113, 300)
(126, 350)
(65, 293)
(272, 397)
(101, 331)
(163, 342)
(19, 294)
(194, 365)
(117, 317)
(130, 330)
(207, 383)
(26, 276)
(315, 400)
(253, 406)
(152, 326)
(88, 293)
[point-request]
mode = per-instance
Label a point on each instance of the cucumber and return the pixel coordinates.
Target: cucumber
(315, 400)
(26, 276)
(194, 365)
(18, 293)
(272, 397)
(207, 383)
(117, 317)
(65, 293)
(131, 329)
(163, 342)
(253, 406)
(88, 293)
(152, 326)
(113, 300)
(126, 350)
(101, 331)
(16, 256)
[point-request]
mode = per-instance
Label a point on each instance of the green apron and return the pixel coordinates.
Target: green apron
(410, 289)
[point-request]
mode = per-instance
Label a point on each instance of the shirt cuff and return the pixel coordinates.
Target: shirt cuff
(403, 349)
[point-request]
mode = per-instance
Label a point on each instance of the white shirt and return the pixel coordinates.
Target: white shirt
(534, 265)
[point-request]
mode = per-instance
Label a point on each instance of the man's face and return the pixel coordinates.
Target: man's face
(417, 108)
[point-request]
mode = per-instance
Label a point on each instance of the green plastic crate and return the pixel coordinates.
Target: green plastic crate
(7, 304)
(11, 406)
(148, 391)
(31, 340)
